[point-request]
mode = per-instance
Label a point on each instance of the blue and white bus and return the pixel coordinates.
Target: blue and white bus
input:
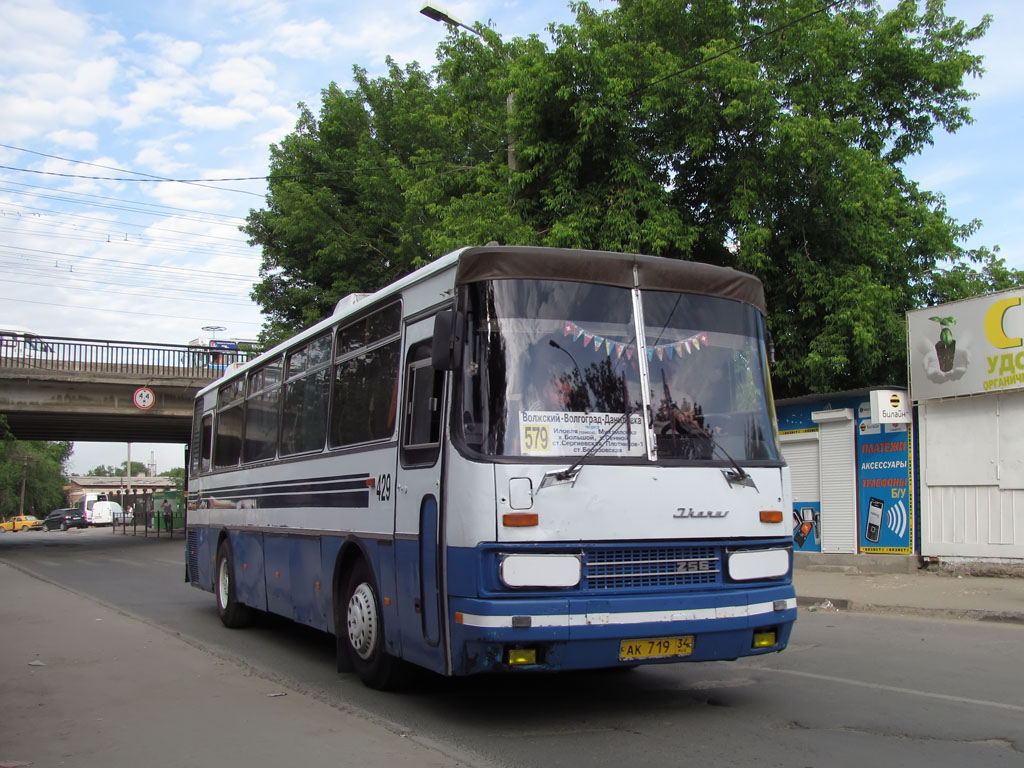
(511, 460)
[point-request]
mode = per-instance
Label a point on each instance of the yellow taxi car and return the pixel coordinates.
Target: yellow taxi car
(22, 523)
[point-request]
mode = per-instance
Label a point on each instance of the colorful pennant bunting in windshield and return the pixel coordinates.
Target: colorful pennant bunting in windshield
(661, 351)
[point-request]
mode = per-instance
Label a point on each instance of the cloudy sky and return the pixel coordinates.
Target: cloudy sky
(100, 99)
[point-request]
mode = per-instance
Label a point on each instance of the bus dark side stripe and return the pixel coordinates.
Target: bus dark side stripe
(349, 492)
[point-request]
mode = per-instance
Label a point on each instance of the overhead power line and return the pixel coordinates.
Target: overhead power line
(123, 290)
(41, 213)
(153, 209)
(145, 176)
(180, 272)
(92, 308)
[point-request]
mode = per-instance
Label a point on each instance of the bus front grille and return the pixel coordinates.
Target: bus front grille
(618, 568)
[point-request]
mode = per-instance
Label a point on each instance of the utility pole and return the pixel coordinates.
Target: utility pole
(128, 483)
(24, 473)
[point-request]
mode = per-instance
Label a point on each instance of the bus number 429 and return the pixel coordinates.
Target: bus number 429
(383, 486)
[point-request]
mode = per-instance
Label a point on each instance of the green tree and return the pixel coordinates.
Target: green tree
(32, 475)
(106, 470)
(178, 475)
(760, 135)
(962, 280)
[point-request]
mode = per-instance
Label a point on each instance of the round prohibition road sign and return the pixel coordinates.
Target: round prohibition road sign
(144, 398)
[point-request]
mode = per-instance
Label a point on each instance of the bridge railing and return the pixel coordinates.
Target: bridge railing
(129, 358)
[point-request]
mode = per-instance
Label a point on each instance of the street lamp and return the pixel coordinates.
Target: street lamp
(432, 12)
(436, 14)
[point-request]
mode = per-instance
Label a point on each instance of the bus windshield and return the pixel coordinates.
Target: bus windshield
(551, 367)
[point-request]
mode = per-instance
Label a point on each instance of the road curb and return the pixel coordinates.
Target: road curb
(837, 604)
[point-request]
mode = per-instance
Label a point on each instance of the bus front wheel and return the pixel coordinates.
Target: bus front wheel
(232, 613)
(364, 633)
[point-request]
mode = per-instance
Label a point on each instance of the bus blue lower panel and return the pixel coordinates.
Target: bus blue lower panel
(249, 582)
(586, 633)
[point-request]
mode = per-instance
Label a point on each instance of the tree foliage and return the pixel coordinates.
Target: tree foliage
(178, 475)
(754, 134)
(32, 475)
(107, 470)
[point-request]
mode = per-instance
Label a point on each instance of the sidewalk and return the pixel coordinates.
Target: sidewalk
(911, 592)
(84, 685)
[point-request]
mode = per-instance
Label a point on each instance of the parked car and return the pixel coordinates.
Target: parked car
(22, 523)
(64, 519)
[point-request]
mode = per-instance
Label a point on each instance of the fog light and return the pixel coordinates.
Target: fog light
(764, 638)
(520, 656)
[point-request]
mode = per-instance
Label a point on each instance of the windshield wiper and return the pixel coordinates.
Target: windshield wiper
(568, 475)
(735, 476)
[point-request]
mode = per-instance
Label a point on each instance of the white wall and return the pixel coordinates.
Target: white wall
(972, 479)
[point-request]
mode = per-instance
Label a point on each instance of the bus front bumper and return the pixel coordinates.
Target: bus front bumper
(586, 633)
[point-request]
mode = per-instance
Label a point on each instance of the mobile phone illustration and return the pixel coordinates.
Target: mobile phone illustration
(810, 515)
(802, 532)
(874, 519)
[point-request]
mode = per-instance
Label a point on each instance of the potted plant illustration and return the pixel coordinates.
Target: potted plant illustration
(945, 348)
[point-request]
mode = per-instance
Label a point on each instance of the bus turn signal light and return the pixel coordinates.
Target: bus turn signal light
(519, 519)
(771, 516)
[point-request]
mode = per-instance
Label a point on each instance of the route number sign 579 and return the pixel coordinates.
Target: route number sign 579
(536, 437)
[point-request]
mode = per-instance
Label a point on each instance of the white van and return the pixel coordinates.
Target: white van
(16, 341)
(98, 510)
(104, 513)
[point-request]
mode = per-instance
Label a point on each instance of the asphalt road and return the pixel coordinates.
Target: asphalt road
(850, 688)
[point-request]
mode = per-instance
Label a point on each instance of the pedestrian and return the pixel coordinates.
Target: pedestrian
(167, 511)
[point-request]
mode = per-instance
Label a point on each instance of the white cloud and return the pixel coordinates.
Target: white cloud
(37, 34)
(311, 40)
(181, 53)
(74, 139)
(154, 95)
(282, 122)
(242, 75)
(155, 160)
(95, 77)
(214, 118)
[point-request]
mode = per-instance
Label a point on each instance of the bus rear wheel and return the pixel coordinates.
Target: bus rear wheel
(233, 614)
(364, 633)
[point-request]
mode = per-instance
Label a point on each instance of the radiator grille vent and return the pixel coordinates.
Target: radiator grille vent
(650, 567)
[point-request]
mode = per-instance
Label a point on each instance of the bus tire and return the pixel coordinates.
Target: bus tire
(363, 632)
(233, 614)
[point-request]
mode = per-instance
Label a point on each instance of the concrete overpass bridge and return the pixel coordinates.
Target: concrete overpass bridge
(54, 388)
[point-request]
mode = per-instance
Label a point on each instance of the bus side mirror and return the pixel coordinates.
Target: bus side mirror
(446, 350)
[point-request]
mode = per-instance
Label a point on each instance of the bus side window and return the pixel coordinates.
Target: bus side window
(421, 431)
(306, 390)
(206, 445)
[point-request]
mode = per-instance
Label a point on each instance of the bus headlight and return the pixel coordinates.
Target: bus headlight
(519, 571)
(748, 565)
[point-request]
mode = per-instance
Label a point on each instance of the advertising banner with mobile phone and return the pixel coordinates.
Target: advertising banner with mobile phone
(885, 478)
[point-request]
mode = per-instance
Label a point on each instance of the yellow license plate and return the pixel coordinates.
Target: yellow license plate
(655, 647)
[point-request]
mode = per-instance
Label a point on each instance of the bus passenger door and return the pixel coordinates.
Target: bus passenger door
(418, 529)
